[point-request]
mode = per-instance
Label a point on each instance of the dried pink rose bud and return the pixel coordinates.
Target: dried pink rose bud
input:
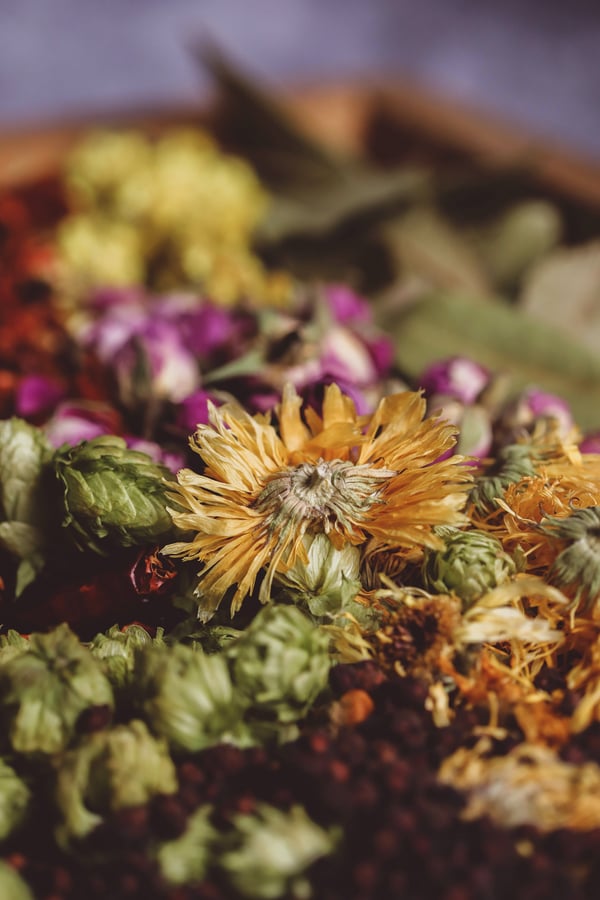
(457, 378)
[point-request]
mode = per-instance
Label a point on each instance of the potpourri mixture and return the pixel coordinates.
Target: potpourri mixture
(299, 530)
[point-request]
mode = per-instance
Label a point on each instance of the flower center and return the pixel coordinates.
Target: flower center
(322, 496)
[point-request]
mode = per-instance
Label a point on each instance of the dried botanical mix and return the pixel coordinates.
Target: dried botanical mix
(299, 530)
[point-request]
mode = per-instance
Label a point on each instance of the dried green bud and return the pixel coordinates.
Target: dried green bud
(187, 696)
(578, 564)
(513, 462)
(44, 690)
(471, 564)
(328, 582)
(14, 800)
(110, 770)
(12, 644)
(116, 650)
(24, 453)
(280, 663)
(12, 886)
(272, 851)
(112, 495)
(187, 858)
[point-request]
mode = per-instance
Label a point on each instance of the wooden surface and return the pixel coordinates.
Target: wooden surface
(340, 116)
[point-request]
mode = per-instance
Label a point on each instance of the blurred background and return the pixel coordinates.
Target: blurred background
(536, 65)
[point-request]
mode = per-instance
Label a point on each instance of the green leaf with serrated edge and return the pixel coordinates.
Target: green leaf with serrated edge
(502, 338)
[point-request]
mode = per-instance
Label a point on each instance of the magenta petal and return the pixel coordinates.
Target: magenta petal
(37, 395)
(193, 410)
(345, 305)
(456, 377)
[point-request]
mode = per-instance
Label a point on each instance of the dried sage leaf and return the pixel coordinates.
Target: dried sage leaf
(506, 340)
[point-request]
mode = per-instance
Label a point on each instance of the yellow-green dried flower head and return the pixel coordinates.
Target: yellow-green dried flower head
(110, 770)
(328, 581)
(280, 663)
(512, 463)
(24, 455)
(12, 644)
(169, 212)
(12, 886)
(577, 566)
(272, 851)
(113, 496)
(45, 689)
(116, 651)
(187, 696)
(470, 564)
(188, 858)
(15, 797)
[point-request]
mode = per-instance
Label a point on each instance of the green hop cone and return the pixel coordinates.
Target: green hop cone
(188, 858)
(328, 582)
(513, 462)
(44, 689)
(113, 496)
(577, 566)
(12, 644)
(121, 767)
(272, 850)
(116, 650)
(471, 564)
(280, 663)
(12, 886)
(14, 800)
(24, 455)
(187, 696)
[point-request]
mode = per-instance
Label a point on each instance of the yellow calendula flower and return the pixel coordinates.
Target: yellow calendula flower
(374, 482)
(563, 482)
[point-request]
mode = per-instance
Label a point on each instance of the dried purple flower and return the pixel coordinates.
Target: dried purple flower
(457, 378)
(78, 420)
(532, 405)
(37, 396)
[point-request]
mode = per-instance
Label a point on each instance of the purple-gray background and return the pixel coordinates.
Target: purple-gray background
(534, 63)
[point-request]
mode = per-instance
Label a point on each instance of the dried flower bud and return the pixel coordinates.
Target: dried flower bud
(12, 644)
(457, 378)
(110, 770)
(12, 886)
(513, 462)
(188, 696)
(521, 415)
(471, 563)
(273, 850)
(577, 566)
(330, 579)
(112, 495)
(473, 421)
(24, 453)
(116, 650)
(187, 858)
(44, 690)
(14, 800)
(280, 663)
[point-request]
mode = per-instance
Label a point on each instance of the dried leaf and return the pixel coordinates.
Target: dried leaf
(564, 290)
(505, 340)
(426, 246)
(516, 240)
